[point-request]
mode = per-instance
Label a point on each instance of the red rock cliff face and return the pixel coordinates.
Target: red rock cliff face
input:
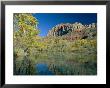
(75, 29)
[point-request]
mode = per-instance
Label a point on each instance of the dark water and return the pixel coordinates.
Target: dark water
(42, 69)
(56, 63)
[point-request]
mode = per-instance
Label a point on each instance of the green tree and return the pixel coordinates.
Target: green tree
(25, 31)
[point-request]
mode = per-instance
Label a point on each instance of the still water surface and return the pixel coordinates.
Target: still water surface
(56, 63)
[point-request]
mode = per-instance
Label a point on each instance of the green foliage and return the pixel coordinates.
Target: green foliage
(25, 36)
(24, 66)
(61, 45)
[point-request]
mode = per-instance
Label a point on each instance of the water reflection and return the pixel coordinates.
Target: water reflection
(56, 63)
(42, 69)
(24, 66)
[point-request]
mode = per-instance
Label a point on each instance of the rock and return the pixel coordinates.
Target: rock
(68, 28)
(73, 31)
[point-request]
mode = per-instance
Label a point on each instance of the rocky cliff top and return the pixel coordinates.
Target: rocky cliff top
(73, 31)
(65, 28)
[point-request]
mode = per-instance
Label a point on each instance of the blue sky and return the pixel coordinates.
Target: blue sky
(49, 20)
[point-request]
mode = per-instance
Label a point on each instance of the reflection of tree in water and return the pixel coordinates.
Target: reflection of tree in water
(24, 66)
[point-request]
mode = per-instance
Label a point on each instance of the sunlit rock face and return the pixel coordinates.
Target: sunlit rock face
(63, 29)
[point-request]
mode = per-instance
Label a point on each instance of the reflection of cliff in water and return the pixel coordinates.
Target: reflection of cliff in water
(56, 63)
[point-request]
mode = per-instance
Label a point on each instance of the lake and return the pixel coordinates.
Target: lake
(56, 63)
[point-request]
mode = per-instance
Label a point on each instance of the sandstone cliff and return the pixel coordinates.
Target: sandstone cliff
(73, 31)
